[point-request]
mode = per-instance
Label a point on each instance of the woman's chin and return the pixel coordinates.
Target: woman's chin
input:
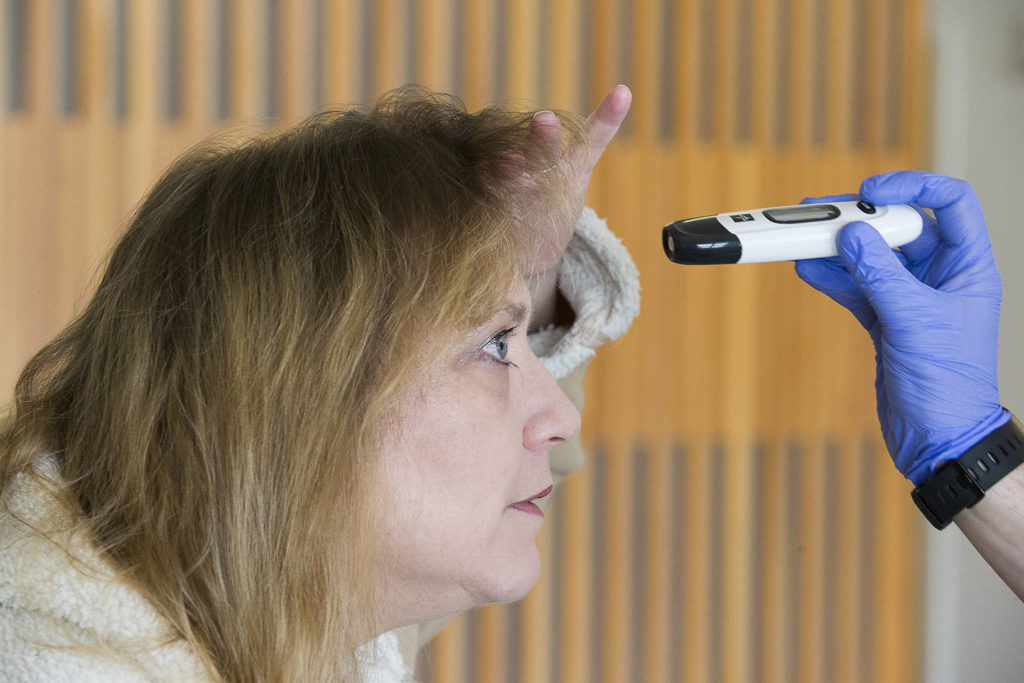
(513, 583)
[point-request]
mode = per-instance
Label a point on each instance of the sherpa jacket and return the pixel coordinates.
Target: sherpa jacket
(51, 606)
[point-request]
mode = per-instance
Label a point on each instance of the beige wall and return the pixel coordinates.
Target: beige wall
(974, 621)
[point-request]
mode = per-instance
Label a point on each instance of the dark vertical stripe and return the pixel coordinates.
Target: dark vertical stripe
(170, 94)
(680, 518)
(412, 19)
(716, 557)
(316, 56)
(543, 27)
(627, 62)
(363, 71)
(744, 71)
(587, 48)
(68, 94)
(668, 100)
(556, 563)
(458, 48)
(14, 55)
(119, 60)
(223, 37)
(819, 74)
(706, 64)
(514, 643)
(758, 524)
(858, 79)
(272, 60)
(791, 598)
(469, 640)
(830, 566)
(597, 586)
(641, 594)
(894, 76)
(868, 469)
(783, 77)
(500, 65)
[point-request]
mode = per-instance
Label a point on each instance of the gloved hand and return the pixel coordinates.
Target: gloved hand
(932, 310)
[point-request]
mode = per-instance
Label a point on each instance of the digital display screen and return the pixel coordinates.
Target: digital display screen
(807, 213)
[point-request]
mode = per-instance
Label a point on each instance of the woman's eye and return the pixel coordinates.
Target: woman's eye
(497, 346)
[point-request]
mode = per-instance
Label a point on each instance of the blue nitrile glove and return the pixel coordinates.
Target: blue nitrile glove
(932, 310)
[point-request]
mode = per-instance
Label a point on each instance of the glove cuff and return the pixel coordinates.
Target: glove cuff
(961, 482)
(927, 465)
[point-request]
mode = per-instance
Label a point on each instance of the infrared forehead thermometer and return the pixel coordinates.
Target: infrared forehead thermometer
(782, 233)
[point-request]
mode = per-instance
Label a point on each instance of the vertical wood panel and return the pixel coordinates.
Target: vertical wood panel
(248, 59)
(618, 400)
(563, 63)
(476, 63)
(341, 51)
(102, 143)
(876, 50)
(576, 581)
(435, 57)
(295, 71)
(535, 627)
(524, 58)
(388, 33)
(915, 126)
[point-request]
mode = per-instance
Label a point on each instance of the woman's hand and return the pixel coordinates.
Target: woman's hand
(578, 161)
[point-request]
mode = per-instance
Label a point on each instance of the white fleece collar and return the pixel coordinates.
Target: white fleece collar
(48, 603)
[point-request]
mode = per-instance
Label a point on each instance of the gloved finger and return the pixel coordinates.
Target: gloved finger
(958, 213)
(830, 277)
(878, 271)
(848, 197)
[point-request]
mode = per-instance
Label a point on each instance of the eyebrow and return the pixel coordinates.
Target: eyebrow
(517, 312)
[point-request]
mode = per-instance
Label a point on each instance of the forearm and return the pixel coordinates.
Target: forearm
(995, 527)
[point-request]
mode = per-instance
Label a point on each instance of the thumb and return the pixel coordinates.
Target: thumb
(876, 269)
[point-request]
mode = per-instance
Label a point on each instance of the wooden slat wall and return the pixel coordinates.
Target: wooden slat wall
(739, 519)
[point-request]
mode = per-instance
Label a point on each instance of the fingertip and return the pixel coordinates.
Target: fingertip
(546, 118)
(856, 233)
(616, 104)
(851, 240)
(866, 254)
(547, 128)
(930, 190)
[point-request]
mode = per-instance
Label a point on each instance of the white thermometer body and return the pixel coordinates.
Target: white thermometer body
(782, 233)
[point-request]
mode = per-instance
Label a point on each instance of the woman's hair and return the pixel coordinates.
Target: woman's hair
(214, 411)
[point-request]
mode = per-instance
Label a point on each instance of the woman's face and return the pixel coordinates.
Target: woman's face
(468, 453)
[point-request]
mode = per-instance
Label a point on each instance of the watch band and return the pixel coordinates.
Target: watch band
(960, 483)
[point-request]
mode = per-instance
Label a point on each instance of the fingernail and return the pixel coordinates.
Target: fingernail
(544, 111)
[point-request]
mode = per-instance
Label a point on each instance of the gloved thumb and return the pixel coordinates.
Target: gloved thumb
(876, 268)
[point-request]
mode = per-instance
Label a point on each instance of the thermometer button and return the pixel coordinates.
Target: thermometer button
(866, 207)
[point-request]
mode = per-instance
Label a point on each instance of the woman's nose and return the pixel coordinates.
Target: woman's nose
(553, 418)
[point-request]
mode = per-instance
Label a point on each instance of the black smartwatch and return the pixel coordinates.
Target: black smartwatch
(959, 484)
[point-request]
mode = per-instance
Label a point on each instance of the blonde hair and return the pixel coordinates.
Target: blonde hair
(214, 410)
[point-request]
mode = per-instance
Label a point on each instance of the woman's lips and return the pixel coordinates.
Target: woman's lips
(528, 506)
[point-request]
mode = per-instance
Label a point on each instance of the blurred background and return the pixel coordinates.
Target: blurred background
(738, 518)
